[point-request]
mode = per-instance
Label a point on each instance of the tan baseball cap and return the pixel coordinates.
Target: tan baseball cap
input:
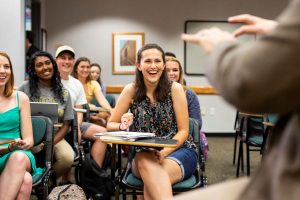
(64, 48)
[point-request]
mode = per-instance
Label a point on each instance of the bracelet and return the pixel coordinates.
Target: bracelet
(8, 147)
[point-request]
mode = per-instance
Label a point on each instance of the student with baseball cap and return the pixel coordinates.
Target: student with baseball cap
(65, 48)
(65, 58)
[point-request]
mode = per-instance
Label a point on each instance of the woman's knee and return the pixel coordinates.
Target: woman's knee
(91, 130)
(144, 160)
(17, 160)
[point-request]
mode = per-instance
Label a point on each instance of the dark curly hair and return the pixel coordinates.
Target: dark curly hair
(162, 89)
(56, 85)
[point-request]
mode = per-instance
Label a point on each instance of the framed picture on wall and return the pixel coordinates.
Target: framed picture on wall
(124, 50)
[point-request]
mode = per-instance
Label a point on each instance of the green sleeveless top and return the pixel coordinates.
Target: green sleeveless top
(9, 129)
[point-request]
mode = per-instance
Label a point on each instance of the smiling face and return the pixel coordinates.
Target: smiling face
(65, 62)
(43, 68)
(83, 69)
(173, 71)
(151, 65)
(95, 73)
(5, 71)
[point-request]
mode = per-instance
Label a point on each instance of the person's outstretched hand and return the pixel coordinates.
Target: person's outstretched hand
(208, 38)
(253, 24)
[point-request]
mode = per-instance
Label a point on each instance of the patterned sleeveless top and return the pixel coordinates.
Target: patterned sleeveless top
(158, 118)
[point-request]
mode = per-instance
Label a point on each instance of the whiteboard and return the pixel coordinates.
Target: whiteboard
(194, 57)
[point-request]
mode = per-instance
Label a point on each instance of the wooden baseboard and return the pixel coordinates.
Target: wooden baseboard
(204, 90)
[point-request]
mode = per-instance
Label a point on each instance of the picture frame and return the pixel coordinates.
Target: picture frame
(195, 58)
(124, 50)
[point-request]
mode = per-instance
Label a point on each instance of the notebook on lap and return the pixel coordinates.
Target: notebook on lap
(45, 109)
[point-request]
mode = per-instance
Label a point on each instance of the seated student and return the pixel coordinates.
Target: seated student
(158, 106)
(96, 76)
(65, 58)
(44, 86)
(16, 160)
(172, 55)
(174, 71)
(92, 89)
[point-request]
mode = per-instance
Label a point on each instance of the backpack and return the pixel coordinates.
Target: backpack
(204, 144)
(67, 192)
(95, 181)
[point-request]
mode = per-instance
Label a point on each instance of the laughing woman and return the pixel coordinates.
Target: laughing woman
(44, 85)
(158, 106)
(16, 160)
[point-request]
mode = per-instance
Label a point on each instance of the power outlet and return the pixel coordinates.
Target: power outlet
(212, 111)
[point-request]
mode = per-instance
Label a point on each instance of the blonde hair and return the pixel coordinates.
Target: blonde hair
(169, 59)
(9, 86)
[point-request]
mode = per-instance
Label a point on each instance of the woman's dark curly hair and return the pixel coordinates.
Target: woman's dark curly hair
(163, 86)
(56, 85)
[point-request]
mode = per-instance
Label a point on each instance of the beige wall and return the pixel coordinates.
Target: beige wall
(12, 37)
(88, 25)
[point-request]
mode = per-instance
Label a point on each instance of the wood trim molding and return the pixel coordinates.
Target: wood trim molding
(115, 89)
(204, 90)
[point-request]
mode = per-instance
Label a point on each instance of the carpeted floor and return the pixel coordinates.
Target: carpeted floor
(219, 166)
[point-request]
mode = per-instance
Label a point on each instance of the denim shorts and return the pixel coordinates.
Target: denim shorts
(84, 126)
(187, 159)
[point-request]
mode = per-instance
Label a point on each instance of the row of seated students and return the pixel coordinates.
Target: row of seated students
(50, 81)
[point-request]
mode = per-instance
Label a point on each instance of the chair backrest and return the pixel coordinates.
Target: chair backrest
(111, 100)
(43, 132)
(43, 153)
(240, 124)
(255, 126)
(95, 102)
(255, 130)
(39, 129)
(194, 130)
(273, 118)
